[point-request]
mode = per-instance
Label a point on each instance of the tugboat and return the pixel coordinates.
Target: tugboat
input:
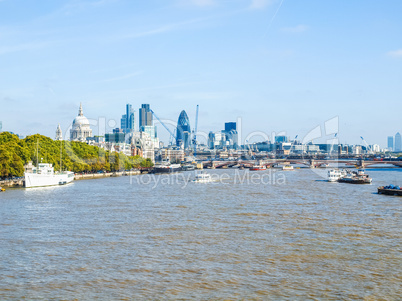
(390, 190)
(354, 177)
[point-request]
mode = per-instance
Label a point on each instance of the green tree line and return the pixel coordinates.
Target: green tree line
(76, 156)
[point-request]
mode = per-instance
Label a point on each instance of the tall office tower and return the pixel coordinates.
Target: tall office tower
(390, 143)
(230, 126)
(211, 140)
(398, 142)
(231, 134)
(145, 115)
(183, 131)
(127, 120)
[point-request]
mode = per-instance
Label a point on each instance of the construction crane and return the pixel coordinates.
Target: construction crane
(367, 146)
(195, 132)
(172, 135)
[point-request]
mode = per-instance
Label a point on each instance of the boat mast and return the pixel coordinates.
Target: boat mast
(37, 152)
(61, 144)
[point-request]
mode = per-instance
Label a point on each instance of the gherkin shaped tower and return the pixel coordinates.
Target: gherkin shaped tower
(183, 131)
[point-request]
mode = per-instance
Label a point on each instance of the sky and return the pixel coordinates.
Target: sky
(276, 66)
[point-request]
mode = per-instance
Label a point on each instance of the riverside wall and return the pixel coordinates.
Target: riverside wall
(20, 181)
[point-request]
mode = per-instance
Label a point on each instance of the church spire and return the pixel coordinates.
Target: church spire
(80, 113)
(59, 135)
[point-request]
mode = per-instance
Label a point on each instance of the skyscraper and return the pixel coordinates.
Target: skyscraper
(230, 126)
(398, 142)
(127, 120)
(145, 115)
(231, 136)
(211, 140)
(183, 131)
(390, 143)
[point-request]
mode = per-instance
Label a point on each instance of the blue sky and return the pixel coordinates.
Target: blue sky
(281, 66)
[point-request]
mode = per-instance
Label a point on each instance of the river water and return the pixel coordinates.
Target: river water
(262, 235)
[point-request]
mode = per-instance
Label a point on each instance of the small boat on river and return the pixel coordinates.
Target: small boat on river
(203, 178)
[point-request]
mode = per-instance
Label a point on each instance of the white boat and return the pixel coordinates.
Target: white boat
(287, 167)
(44, 175)
(335, 174)
(203, 178)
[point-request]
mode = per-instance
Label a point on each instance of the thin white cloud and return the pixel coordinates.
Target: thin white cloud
(260, 4)
(74, 6)
(160, 30)
(203, 2)
(199, 3)
(295, 29)
(121, 77)
(395, 53)
(24, 47)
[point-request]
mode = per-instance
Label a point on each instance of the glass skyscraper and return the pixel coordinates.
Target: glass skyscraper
(230, 126)
(183, 131)
(127, 120)
(398, 142)
(145, 115)
(390, 143)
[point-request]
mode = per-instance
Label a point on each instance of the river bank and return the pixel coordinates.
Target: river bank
(19, 182)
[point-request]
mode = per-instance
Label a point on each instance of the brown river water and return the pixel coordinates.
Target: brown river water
(262, 235)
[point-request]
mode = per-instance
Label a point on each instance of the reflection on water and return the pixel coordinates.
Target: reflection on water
(112, 239)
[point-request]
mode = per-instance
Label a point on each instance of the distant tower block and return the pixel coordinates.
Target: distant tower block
(59, 134)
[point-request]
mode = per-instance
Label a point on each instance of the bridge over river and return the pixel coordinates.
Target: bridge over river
(312, 163)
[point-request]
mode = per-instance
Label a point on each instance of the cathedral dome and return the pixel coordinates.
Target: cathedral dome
(81, 128)
(80, 120)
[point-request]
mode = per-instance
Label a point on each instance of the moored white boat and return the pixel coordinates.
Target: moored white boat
(287, 167)
(167, 168)
(44, 175)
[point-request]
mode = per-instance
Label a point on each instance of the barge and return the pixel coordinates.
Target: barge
(354, 177)
(390, 190)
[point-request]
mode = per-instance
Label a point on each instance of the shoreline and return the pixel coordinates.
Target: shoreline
(19, 183)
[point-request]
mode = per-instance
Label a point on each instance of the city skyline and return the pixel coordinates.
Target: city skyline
(280, 66)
